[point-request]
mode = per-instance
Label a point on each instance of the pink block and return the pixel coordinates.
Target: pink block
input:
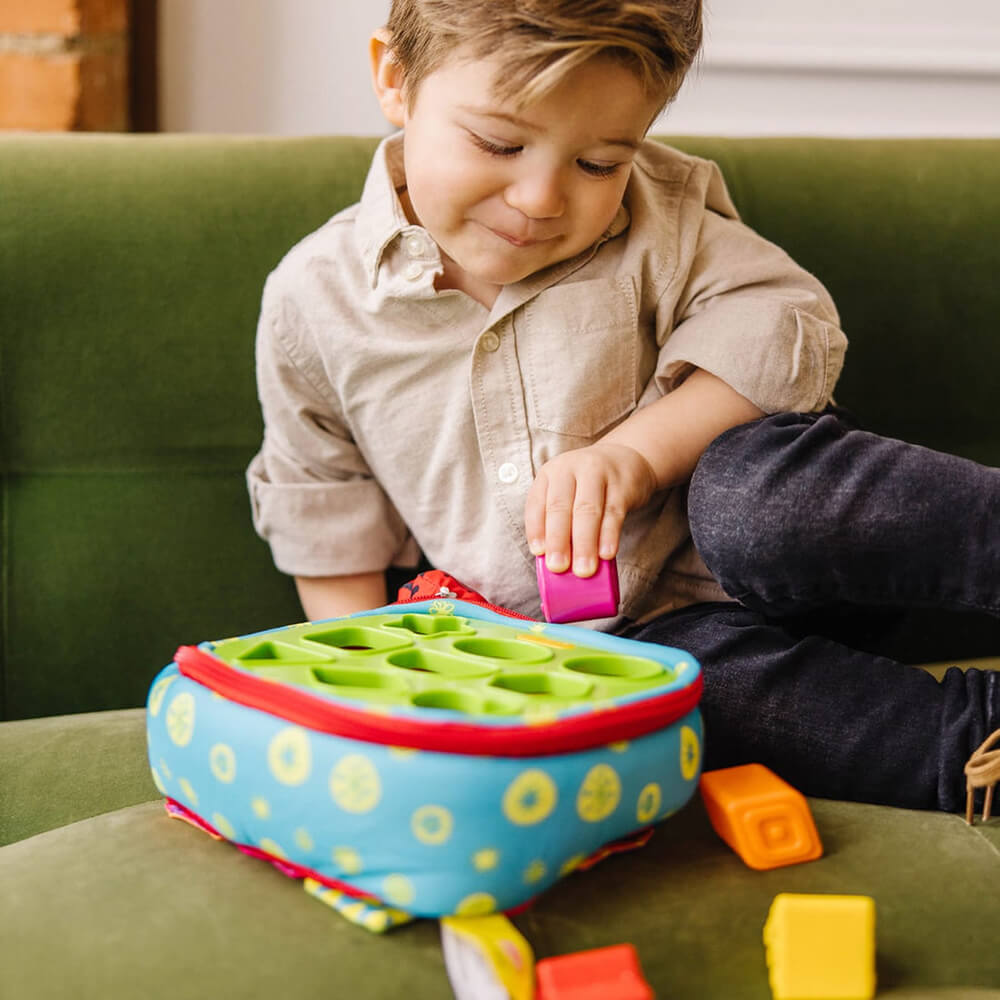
(570, 598)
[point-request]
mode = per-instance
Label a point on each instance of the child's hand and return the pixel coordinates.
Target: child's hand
(578, 502)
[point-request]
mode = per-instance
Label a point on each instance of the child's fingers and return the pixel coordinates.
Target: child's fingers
(559, 498)
(575, 510)
(534, 516)
(548, 513)
(611, 529)
(576, 507)
(588, 519)
(547, 516)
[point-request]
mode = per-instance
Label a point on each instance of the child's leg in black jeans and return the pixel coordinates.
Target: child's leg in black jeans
(800, 512)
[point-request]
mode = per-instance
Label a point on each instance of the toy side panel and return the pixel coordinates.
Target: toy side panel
(428, 832)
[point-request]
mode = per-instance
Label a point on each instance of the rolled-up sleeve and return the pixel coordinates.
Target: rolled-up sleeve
(313, 497)
(750, 315)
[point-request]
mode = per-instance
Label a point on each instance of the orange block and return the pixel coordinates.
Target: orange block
(762, 818)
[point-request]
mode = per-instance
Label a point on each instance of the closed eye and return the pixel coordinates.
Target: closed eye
(598, 169)
(587, 166)
(493, 148)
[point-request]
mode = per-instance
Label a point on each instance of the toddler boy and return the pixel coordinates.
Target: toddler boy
(523, 339)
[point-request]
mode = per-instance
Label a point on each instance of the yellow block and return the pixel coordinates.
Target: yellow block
(487, 957)
(821, 947)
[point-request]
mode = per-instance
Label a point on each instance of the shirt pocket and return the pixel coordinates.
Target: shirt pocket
(580, 354)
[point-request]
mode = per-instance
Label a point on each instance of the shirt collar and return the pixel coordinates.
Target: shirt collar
(380, 214)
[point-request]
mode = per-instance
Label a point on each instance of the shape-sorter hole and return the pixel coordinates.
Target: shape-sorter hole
(455, 701)
(432, 625)
(470, 704)
(503, 649)
(554, 685)
(436, 663)
(279, 652)
(354, 639)
(346, 677)
(629, 668)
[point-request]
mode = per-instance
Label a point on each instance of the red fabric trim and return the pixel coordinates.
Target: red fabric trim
(631, 842)
(175, 810)
(435, 584)
(562, 736)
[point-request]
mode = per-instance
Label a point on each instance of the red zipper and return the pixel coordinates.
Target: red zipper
(580, 732)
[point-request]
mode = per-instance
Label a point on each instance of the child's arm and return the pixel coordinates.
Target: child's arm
(579, 499)
(313, 497)
(334, 596)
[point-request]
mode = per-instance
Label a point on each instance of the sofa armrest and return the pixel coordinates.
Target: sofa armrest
(57, 770)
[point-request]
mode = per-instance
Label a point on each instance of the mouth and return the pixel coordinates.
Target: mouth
(514, 241)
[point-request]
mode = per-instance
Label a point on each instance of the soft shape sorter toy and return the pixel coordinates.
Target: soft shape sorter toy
(433, 756)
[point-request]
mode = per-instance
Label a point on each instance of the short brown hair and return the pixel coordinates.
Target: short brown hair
(543, 40)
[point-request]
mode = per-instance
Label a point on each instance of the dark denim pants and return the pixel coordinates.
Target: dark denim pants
(848, 553)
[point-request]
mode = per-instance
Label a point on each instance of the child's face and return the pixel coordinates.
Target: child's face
(506, 191)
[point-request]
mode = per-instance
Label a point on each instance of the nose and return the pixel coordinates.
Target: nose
(539, 194)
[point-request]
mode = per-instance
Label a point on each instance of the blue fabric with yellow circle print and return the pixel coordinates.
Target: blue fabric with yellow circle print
(436, 757)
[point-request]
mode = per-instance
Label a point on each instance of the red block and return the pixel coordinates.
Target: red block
(601, 974)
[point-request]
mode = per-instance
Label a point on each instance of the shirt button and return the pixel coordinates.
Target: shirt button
(413, 271)
(490, 342)
(414, 245)
(507, 473)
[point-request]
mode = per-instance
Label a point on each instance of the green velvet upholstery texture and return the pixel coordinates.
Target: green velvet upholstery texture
(132, 897)
(131, 274)
(131, 269)
(110, 898)
(57, 770)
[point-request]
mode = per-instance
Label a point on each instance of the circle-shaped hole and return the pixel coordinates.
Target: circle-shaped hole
(503, 649)
(554, 685)
(629, 668)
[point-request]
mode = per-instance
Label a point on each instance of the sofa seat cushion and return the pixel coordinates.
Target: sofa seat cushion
(130, 897)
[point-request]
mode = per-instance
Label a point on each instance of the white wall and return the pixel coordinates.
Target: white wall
(282, 67)
(853, 67)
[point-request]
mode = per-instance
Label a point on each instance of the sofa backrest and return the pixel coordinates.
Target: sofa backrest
(130, 276)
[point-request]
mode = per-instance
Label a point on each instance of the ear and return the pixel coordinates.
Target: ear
(387, 78)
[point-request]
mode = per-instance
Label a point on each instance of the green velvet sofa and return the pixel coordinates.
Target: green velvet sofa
(130, 276)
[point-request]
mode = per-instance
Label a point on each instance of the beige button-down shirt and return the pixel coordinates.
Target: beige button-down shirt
(399, 417)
